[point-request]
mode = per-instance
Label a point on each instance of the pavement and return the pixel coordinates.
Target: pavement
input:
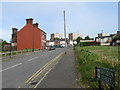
(44, 69)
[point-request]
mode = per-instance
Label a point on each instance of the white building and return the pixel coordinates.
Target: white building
(62, 43)
(55, 35)
(55, 42)
(50, 43)
(104, 40)
(72, 43)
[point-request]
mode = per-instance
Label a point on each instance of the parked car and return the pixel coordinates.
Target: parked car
(61, 47)
(52, 48)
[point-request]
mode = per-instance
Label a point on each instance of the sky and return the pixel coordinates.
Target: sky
(86, 18)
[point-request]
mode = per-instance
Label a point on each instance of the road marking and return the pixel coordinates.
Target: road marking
(32, 59)
(45, 75)
(11, 67)
(54, 59)
(37, 72)
(43, 68)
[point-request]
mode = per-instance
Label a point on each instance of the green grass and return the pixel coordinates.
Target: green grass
(89, 57)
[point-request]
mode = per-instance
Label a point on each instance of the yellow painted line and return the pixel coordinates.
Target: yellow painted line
(37, 72)
(55, 59)
(41, 69)
(45, 75)
(44, 67)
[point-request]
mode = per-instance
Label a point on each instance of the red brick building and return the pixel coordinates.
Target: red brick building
(30, 36)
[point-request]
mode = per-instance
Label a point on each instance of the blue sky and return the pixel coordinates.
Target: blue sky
(86, 18)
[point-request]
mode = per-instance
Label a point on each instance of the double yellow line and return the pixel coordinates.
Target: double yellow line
(35, 75)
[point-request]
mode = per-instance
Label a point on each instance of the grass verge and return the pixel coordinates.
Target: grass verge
(89, 57)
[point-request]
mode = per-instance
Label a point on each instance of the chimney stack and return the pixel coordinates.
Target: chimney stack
(100, 35)
(35, 25)
(118, 33)
(29, 20)
(14, 30)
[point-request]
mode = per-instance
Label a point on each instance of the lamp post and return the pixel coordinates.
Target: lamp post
(10, 48)
(64, 27)
(33, 41)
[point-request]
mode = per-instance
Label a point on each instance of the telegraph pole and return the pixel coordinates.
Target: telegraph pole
(64, 27)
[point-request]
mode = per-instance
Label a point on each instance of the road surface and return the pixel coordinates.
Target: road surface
(30, 70)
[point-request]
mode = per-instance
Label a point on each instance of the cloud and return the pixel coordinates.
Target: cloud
(85, 18)
(5, 35)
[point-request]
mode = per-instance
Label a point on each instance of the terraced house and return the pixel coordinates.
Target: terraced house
(29, 37)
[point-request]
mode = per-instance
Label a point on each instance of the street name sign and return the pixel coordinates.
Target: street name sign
(106, 75)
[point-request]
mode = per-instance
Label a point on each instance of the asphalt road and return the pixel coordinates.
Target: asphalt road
(29, 68)
(63, 75)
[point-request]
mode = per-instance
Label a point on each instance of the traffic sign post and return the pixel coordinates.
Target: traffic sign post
(105, 75)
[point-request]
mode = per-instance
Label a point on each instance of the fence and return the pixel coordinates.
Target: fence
(17, 52)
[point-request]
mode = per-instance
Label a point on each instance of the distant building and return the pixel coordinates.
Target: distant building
(101, 34)
(60, 42)
(14, 38)
(73, 36)
(6, 47)
(55, 35)
(116, 39)
(29, 37)
(49, 43)
(104, 40)
(72, 43)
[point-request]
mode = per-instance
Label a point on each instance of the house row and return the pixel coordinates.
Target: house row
(107, 39)
(28, 37)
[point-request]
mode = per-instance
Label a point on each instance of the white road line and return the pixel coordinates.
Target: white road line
(11, 67)
(32, 59)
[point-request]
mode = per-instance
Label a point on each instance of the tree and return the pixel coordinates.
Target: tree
(78, 40)
(56, 38)
(0, 46)
(87, 38)
(4, 42)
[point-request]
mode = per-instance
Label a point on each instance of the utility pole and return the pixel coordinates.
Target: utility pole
(64, 27)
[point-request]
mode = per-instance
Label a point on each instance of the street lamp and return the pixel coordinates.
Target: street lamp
(33, 41)
(10, 48)
(64, 27)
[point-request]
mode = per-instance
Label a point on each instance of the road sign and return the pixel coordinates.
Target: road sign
(106, 75)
